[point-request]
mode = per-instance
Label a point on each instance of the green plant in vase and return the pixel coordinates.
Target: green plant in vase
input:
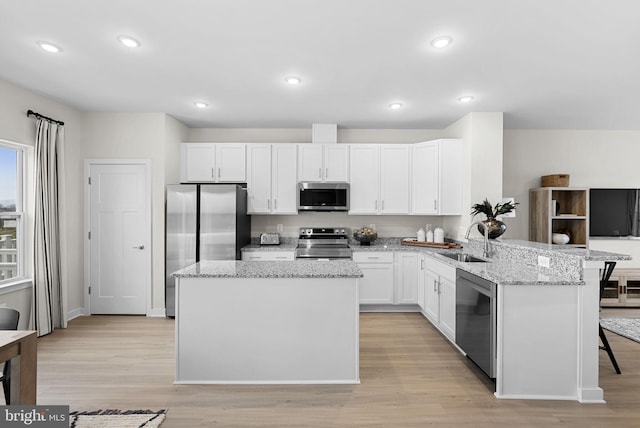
(496, 227)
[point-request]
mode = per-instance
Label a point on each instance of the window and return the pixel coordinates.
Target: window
(12, 169)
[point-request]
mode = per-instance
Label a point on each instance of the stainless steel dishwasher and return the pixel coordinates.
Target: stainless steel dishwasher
(476, 320)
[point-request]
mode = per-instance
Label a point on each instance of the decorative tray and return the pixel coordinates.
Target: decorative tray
(414, 242)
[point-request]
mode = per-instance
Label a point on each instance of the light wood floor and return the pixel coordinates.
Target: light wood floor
(411, 377)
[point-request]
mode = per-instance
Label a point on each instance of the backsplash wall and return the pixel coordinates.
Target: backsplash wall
(386, 225)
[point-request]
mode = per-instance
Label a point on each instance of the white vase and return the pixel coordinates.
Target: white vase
(560, 238)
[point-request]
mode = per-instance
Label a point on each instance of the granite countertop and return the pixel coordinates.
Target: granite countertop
(508, 268)
(263, 269)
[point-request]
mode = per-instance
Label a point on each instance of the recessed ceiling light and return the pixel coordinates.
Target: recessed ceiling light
(466, 99)
(293, 80)
(201, 104)
(129, 41)
(395, 106)
(441, 42)
(49, 47)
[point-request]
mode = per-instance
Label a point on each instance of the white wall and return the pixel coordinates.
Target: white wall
(482, 136)
(153, 136)
(591, 158)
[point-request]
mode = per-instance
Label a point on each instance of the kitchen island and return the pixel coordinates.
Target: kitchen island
(242, 322)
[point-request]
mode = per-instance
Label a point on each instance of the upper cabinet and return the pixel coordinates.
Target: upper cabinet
(213, 163)
(436, 177)
(271, 178)
(323, 162)
(379, 178)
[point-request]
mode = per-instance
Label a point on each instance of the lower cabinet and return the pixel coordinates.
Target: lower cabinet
(268, 256)
(377, 286)
(439, 284)
(406, 277)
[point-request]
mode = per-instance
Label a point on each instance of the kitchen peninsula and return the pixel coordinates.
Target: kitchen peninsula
(244, 322)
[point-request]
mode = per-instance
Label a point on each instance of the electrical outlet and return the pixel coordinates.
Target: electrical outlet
(543, 261)
(279, 227)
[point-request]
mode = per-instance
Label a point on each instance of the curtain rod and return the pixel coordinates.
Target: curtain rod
(33, 113)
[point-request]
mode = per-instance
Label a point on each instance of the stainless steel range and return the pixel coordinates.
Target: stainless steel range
(323, 243)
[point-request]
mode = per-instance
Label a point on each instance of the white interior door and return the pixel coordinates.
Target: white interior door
(119, 238)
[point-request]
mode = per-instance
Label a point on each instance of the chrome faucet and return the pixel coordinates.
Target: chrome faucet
(485, 253)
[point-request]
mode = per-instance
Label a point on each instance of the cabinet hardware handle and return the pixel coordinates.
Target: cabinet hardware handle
(373, 258)
(281, 257)
(383, 205)
(435, 286)
(326, 173)
(435, 205)
(213, 173)
(376, 205)
(275, 204)
(138, 247)
(218, 172)
(269, 203)
(421, 264)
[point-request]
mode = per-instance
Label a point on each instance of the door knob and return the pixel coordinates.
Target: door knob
(138, 247)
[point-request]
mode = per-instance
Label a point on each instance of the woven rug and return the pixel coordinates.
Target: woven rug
(117, 419)
(626, 327)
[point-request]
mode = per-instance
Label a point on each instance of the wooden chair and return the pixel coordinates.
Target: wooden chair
(8, 321)
(606, 274)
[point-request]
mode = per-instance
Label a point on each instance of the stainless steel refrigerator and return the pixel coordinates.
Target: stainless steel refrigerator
(203, 222)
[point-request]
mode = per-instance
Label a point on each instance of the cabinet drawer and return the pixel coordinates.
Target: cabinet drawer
(270, 256)
(441, 268)
(373, 257)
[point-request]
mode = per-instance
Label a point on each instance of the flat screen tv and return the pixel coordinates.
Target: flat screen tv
(614, 212)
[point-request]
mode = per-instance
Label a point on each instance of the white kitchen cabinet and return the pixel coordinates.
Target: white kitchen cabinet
(440, 296)
(421, 281)
(323, 162)
(406, 277)
(377, 284)
(436, 177)
(213, 163)
(271, 178)
(268, 256)
(379, 177)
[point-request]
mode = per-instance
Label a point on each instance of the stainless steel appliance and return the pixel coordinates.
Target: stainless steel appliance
(323, 243)
(269, 239)
(476, 320)
(323, 196)
(203, 222)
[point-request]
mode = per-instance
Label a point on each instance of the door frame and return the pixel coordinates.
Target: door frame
(87, 217)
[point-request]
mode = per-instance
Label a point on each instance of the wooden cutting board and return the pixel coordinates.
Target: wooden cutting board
(414, 242)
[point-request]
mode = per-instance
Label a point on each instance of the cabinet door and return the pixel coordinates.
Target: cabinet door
(394, 179)
(284, 184)
(364, 178)
(231, 163)
(259, 178)
(424, 178)
(336, 162)
(198, 162)
(376, 287)
(451, 158)
(448, 308)
(310, 162)
(421, 281)
(406, 276)
(431, 296)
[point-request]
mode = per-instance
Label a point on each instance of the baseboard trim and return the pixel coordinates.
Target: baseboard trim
(157, 312)
(75, 313)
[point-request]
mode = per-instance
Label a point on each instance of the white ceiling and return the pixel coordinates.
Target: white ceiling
(557, 64)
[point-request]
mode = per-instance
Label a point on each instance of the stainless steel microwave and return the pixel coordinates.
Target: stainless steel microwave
(323, 196)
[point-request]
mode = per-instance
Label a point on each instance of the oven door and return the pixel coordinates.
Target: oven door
(323, 196)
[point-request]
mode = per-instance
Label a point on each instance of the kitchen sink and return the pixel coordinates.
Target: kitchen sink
(463, 257)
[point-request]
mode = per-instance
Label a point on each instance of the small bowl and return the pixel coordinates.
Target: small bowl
(365, 239)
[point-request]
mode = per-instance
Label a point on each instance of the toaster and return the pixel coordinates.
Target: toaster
(269, 239)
